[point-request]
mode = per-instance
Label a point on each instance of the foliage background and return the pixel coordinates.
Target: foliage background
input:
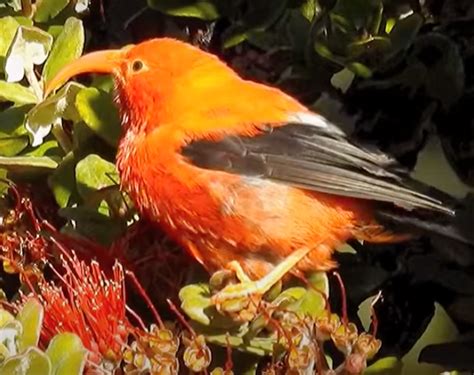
(395, 73)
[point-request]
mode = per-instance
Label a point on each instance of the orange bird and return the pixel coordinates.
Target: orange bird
(242, 175)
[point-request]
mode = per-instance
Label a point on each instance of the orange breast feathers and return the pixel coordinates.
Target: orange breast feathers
(219, 217)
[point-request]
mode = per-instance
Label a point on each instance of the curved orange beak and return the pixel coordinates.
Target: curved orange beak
(107, 61)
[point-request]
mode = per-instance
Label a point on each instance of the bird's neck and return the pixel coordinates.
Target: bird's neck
(150, 167)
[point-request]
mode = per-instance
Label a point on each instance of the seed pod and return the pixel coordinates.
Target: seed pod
(367, 345)
(344, 337)
(197, 355)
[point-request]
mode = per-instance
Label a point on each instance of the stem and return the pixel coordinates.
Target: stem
(33, 81)
(373, 314)
(345, 319)
(61, 136)
(26, 8)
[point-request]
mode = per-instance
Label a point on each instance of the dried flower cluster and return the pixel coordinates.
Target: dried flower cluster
(154, 351)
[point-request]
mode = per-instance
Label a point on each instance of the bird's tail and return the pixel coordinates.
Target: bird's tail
(458, 227)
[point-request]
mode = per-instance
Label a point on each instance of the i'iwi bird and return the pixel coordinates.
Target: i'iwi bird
(244, 176)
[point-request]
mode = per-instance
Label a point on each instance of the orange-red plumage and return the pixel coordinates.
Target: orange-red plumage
(171, 95)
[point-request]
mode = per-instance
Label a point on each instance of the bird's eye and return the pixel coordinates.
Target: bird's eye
(137, 65)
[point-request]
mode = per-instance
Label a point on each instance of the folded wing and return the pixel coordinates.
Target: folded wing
(317, 158)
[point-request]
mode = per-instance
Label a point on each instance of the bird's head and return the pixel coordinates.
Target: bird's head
(166, 82)
(153, 78)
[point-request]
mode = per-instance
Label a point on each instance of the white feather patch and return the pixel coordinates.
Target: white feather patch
(315, 120)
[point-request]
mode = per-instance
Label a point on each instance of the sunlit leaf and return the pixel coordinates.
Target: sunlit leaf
(67, 47)
(385, 366)
(60, 105)
(94, 173)
(8, 27)
(28, 164)
(5, 317)
(67, 354)
(31, 319)
(202, 9)
(63, 180)
(12, 120)
(99, 113)
(319, 282)
(11, 146)
(16, 93)
(195, 299)
(49, 148)
(48, 9)
(309, 9)
(32, 362)
(30, 46)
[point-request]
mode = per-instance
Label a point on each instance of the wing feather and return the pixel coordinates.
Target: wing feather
(316, 158)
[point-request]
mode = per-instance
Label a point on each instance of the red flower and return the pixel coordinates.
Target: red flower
(89, 304)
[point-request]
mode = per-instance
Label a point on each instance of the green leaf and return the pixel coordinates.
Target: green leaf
(67, 47)
(12, 120)
(3, 177)
(94, 173)
(260, 16)
(67, 354)
(5, 317)
(55, 30)
(49, 148)
(195, 299)
(319, 281)
(94, 225)
(289, 296)
(404, 31)
(258, 345)
(30, 47)
(361, 13)
(48, 9)
(202, 9)
(24, 21)
(63, 180)
(11, 146)
(342, 80)
(309, 9)
(32, 362)
(16, 93)
(98, 111)
(59, 105)
(8, 27)
(373, 46)
(31, 319)
(360, 69)
(28, 164)
(385, 366)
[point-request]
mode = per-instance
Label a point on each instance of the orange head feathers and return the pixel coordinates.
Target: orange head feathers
(159, 76)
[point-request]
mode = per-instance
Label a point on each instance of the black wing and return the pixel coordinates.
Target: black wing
(318, 158)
